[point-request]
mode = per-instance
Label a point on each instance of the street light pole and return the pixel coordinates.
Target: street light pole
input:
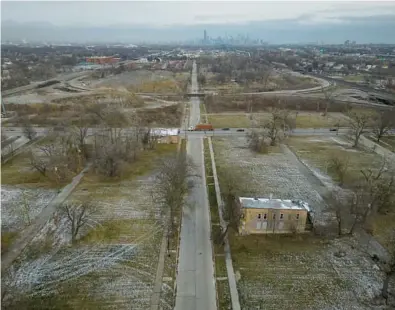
(3, 106)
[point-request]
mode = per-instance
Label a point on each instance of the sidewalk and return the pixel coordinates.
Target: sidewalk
(228, 258)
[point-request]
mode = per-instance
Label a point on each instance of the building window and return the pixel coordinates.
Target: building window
(281, 216)
(265, 216)
(259, 215)
(297, 216)
(274, 216)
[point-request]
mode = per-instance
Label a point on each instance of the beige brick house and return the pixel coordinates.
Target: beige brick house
(268, 216)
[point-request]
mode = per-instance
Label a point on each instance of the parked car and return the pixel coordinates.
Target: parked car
(241, 129)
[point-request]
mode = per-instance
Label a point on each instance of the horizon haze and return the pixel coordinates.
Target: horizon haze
(158, 22)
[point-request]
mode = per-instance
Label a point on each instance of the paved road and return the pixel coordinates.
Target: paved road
(194, 119)
(195, 278)
(324, 84)
(60, 77)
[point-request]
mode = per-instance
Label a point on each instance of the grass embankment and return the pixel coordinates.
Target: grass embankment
(222, 286)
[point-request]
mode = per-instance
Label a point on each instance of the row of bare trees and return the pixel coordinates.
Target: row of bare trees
(116, 141)
(172, 183)
(373, 193)
(279, 123)
(379, 122)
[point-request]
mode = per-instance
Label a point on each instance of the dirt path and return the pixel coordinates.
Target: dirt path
(30, 232)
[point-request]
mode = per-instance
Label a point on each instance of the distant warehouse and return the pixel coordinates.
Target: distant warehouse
(102, 60)
(271, 216)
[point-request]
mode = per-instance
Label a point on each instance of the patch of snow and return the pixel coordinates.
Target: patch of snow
(339, 141)
(19, 204)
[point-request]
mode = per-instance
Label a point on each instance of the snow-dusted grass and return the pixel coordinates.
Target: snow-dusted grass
(19, 171)
(302, 272)
(118, 248)
(19, 205)
(273, 173)
(292, 272)
(318, 151)
(231, 121)
(303, 119)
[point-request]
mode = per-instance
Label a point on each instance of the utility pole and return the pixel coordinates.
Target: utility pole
(3, 106)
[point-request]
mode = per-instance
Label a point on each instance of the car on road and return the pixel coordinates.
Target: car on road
(225, 128)
(333, 129)
(191, 128)
(240, 130)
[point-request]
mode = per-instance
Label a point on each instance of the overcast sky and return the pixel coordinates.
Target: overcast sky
(97, 13)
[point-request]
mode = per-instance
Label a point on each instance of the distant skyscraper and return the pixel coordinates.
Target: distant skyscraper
(205, 36)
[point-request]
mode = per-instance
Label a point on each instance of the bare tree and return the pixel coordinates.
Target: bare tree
(80, 132)
(29, 131)
(149, 139)
(172, 186)
(383, 121)
(329, 96)
(58, 158)
(277, 125)
(256, 141)
(340, 205)
(339, 166)
(231, 189)
(379, 187)
(359, 120)
(38, 164)
(265, 79)
(78, 215)
(112, 150)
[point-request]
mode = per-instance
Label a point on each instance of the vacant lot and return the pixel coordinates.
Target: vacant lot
(316, 152)
(276, 81)
(145, 81)
(275, 173)
(24, 193)
(302, 119)
(130, 78)
(229, 120)
(302, 272)
(242, 103)
(114, 261)
(292, 272)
